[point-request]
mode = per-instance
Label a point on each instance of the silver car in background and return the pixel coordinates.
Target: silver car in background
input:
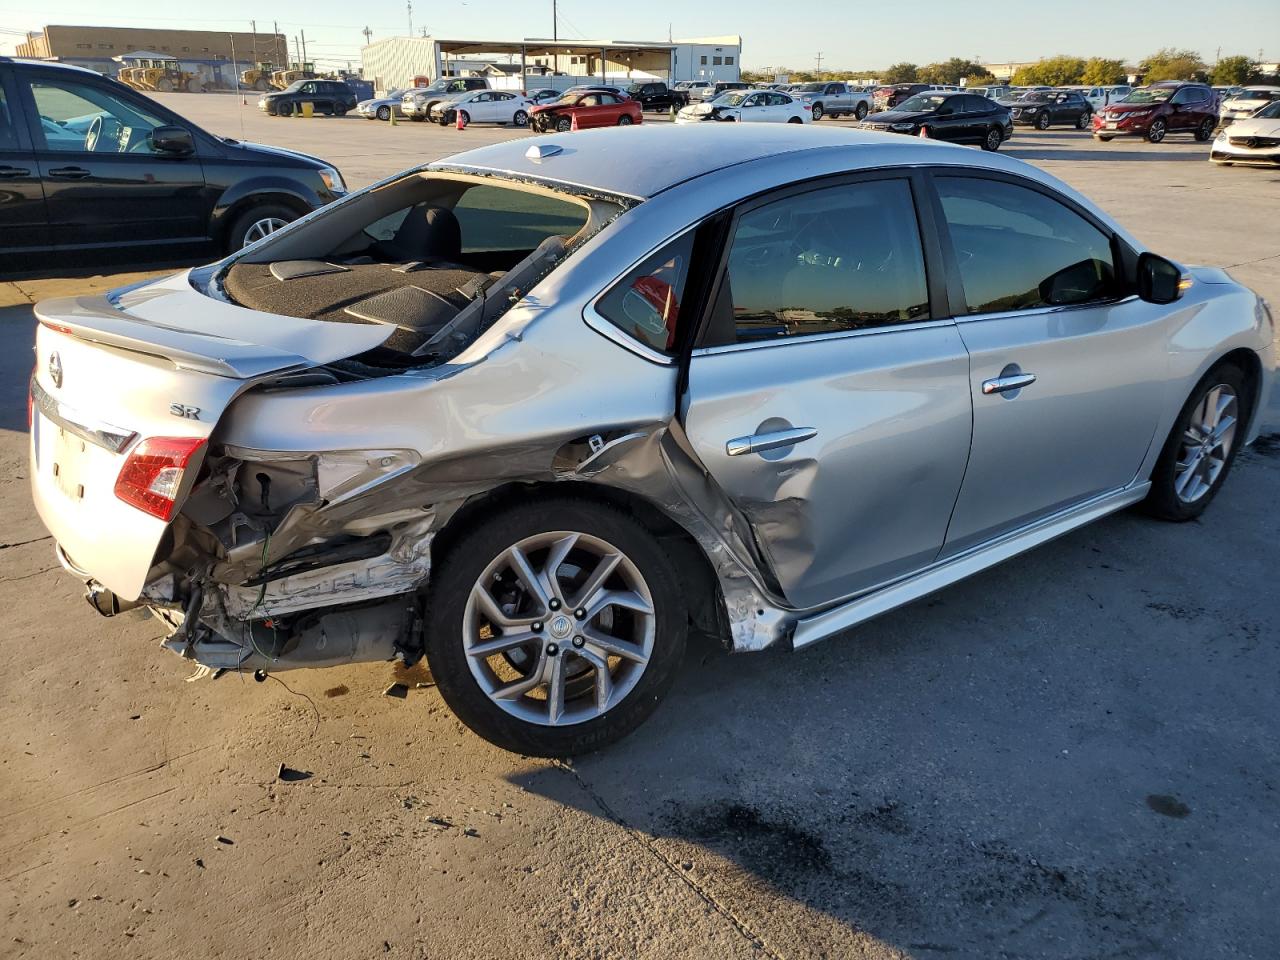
(538, 410)
(382, 108)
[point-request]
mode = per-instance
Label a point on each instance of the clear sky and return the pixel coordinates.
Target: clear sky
(848, 35)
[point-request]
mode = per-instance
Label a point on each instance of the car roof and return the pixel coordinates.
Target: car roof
(645, 160)
(55, 64)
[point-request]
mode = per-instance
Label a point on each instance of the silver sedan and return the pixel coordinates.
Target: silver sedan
(537, 411)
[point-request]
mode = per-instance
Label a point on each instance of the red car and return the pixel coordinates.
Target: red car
(1156, 111)
(593, 108)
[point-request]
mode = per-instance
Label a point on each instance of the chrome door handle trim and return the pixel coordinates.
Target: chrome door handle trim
(1005, 384)
(758, 442)
(69, 173)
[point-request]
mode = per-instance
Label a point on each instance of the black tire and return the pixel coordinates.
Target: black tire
(817, 111)
(284, 110)
(563, 125)
(1163, 501)
(1106, 139)
(625, 120)
(416, 118)
(383, 113)
(520, 119)
(466, 117)
(860, 112)
(1204, 132)
(1043, 121)
(1082, 121)
(1157, 131)
(461, 566)
(339, 110)
(795, 120)
(991, 142)
(261, 211)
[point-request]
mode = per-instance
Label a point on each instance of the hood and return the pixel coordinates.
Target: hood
(1255, 127)
(282, 152)
(900, 116)
(378, 102)
(1133, 107)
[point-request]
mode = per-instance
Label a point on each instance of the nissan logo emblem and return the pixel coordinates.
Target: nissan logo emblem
(55, 369)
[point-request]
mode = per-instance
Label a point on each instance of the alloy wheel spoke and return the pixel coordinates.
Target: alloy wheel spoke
(551, 570)
(612, 645)
(500, 644)
(604, 680)
(531, 681)
(1211, 410)
(604, 569)
(555, 688)
(1186, 473)
(525, 572)
(627, 599)
(1223, 404)
(1224, 426)
(495, 614)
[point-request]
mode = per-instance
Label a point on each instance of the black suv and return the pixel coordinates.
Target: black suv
(86, 164)
(1043, 108)
(657, 96)
(325, 96)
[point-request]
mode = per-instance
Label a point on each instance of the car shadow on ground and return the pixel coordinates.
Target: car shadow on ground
(966, 776)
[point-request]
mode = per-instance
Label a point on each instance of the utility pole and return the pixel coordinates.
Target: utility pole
(819, 61)
(253, 25)
(555, 38)
(367, 35)
(409, 7)
(277, 60)
(297, 54)
(304, 46)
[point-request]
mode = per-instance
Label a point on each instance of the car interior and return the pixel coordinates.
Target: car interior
(437, 258)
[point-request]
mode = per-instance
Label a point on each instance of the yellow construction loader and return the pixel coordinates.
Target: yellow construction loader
(258, 77)
(296, 71)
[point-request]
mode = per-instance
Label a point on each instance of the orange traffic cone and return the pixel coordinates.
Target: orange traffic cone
(924, 133)
(462, 120)
(573, 122)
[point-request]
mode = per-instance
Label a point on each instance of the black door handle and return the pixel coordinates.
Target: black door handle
(9, 173)
(69, 173)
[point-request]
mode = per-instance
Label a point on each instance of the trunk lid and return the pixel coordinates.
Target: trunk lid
(161, 360)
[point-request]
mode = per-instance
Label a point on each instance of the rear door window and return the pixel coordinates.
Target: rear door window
(1017, 249)
(844, 257)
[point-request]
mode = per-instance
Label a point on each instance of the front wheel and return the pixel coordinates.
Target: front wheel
(1042, 121)
(555, 627)
(1201, 446)
(1106, 139)
(1157, 131)
(1082, 121)
(795, 120)
(284, 110)
(1204, 132)
(339, 110)
(860, 113)
(521, 119)
(384, 113)
(258, 222)
(993, 140)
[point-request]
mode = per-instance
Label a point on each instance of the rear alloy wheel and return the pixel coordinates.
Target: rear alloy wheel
(564, 125)
(521, 119)
(1042, 121)
(258, 222)
(860, 113)
(1204, 132)
(1201, 446)
(1082, 121)
(817, 111)
(993, 140)
(555, 627)
(624, 121)
(1157, 131)
(384, 113)
(339, 110)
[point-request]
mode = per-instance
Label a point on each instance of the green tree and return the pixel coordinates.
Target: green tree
(979, 78)
(1233, 71)
(1100, 71)
(950, 71)
(1171, 64)
(902, 73)
(1052, 72)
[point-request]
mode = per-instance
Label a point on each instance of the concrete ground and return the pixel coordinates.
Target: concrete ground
(1072, 755)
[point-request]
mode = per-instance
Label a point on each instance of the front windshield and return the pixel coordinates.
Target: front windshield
(1149, 95)
(635, 88)
(733, 99)
(923, 102)
(811, 88)
(1036, 97)
(1254, 95)
(296, 85)
(1270, 112)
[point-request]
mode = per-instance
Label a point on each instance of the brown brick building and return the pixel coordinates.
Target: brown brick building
(94, 47)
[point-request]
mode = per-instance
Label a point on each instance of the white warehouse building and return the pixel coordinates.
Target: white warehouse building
(399, 61)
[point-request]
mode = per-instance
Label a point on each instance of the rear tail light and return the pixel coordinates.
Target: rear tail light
(152, 474)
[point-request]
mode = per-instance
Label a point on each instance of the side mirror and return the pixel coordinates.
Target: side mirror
(1159, 280)
(175, 140)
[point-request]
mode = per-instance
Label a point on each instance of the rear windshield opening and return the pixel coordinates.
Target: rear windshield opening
(435, 257)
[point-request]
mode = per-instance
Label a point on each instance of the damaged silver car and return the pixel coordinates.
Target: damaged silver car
(536, 411)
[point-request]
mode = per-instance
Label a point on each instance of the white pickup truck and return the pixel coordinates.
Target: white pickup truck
(832, 99)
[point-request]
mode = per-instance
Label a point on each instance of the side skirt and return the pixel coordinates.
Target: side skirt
(819, 626)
